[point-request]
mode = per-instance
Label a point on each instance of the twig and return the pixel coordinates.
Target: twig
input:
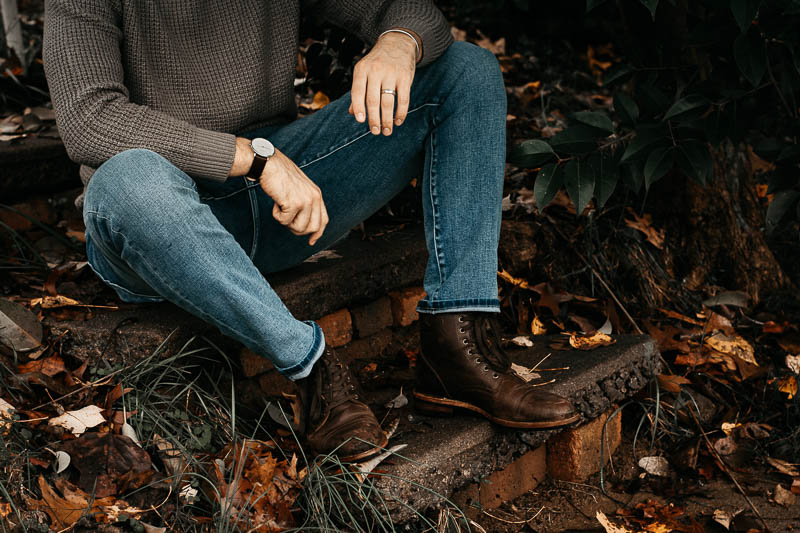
(600, 279)
(727, 470)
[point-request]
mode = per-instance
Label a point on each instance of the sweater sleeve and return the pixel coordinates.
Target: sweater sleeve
(368, 18)
(94, 114)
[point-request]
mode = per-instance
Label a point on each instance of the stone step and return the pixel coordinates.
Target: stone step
(355, 270)
(445, 455)
(35, 165)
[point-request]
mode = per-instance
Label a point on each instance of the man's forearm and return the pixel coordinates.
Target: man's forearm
(243, 158)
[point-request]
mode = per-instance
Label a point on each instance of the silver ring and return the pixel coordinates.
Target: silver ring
(389, 91)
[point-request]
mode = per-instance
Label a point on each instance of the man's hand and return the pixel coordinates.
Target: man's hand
(298, 200)
(389, 65)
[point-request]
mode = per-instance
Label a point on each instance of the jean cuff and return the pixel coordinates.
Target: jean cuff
(483, 305)
(303, 368)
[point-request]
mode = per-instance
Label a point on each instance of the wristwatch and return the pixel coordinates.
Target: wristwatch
(262, 151)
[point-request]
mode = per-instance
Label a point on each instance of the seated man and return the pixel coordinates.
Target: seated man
(183, 116)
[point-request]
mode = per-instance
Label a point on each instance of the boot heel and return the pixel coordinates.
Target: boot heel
(432, 409)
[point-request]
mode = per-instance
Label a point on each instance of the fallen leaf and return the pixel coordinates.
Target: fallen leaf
(20, 330)
(527, 374)
(668, 338)
(170, 455)
(608, 525)
(66, 509)
(6, 413)
(59, 301)
(655, 465)
(734, 298)
(62, 461)
(497, 47)
(723, 518)
(398, 401)
(103, 459)
(591, 342)
(672, 383)
(783, 467)
(733, 345)
(519, 282)
(644, 225)
(682, 318)
(793, 363)
(523, 340)
(79, 421)
(783, 497)
(49, 366)
(319, 101)
(728, 427)
(537, 326)
(368, 466)
(788, 385)
(796, 486)
(129, 432)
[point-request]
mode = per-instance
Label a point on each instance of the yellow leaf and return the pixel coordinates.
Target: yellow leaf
(591, 342)
(788, 385)
(320, 100)
(519, 282)
(537, 326)
(733, 345)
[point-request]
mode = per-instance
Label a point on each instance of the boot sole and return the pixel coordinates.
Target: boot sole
(379, 448)
(437, 405)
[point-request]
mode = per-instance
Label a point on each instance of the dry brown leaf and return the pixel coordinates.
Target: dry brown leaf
(80, 420)
(58, 301)
(497, 47)
(707, 357)
(591, 342)
(644, 224)
(666, 338)
(788, 385)
(796, 486)
(672, 383)
(793, 363)
(49, 366)
(66, 508)
(783, 497)
(682, 318)
(783, 467)
(537, 326)
(320, 100)
(733, 345)
(519, 282)
(757, 164)
(608, 525)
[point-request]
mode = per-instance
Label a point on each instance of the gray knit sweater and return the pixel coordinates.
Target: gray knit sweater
(181, 78)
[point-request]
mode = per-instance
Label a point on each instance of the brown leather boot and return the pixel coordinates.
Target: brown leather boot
(334, 419)
(460, 366)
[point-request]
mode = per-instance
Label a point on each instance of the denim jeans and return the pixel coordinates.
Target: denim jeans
(154, 233)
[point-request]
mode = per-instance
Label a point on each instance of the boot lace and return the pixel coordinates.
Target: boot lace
(487, 340)
(340, 385)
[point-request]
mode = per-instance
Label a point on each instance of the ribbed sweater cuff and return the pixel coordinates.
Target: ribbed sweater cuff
(211, 155)
(433, 43)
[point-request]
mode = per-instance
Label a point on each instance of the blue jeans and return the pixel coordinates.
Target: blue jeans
(154, 233)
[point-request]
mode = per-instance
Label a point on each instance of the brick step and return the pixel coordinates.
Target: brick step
(360, 272)
(35, 165)
(477, 464)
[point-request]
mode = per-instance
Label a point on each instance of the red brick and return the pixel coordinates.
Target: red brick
(338, 328)
(574, 454)
(373, 317)
(252, 363)
(273, 383)
(519, 477)
(370, 347)
(404, 305)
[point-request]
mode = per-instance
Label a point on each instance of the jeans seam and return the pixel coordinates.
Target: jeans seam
(361, 136)
(199, 311)
(434, 213)
(251, 193)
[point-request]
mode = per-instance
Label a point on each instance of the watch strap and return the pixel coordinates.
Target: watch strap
(257, 167)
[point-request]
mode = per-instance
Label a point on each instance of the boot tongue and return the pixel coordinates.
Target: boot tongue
(487, 333)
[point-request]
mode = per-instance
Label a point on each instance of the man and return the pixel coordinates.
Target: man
(204, 182)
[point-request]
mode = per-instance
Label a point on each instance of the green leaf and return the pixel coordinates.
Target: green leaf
(548, 181)
(594, 120)
(579, 181)
(652, 5)
(646, 136)
(658, 163)
(779, 206)
(591, 4)
(790, 154)
(768, 148)
(606, 177)
(626, 108)
(578, 139)
(686, 106)
(633, 175)
(750, 56)
(744, 11)
(695, 161)
(532, 153)
(617, 72)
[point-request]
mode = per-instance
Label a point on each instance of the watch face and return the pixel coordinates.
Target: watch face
(262, 147)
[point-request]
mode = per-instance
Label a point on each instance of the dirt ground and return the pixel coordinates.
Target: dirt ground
(691, 503)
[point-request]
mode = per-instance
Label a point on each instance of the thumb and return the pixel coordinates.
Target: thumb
(284, 217)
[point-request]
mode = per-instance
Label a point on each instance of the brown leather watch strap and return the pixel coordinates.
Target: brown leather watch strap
(257, 167)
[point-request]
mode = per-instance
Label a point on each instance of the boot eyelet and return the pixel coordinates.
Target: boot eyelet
(465, 342)
(495, 376)
(477, 360)
(461, 319)
(485, 368)
(462, 330)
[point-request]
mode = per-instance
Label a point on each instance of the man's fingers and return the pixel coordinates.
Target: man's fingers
(358, 92)
(283, 215)
(373, 104)
(387, 108)
(403, 98)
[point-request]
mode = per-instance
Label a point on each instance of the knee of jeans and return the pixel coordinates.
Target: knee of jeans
(478, 67)
(132, 181)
